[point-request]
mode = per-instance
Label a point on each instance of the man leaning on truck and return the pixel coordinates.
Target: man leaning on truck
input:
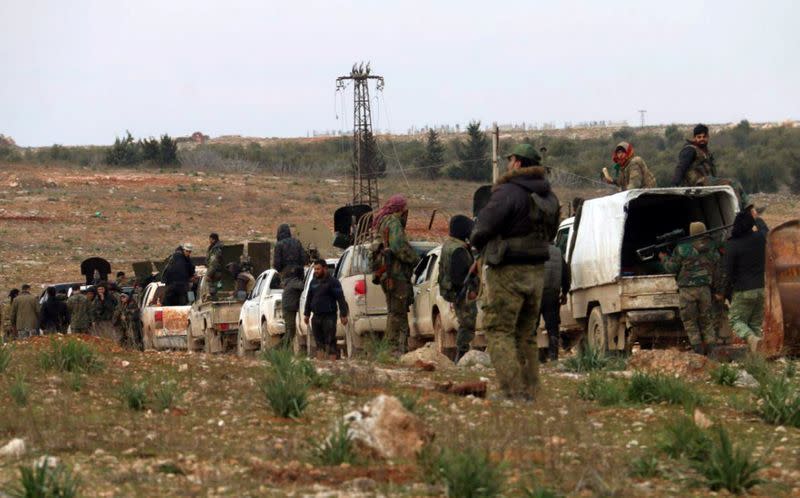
(513, 233)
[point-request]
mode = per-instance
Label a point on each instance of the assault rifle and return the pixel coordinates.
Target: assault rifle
(667, 241)
(470, 283)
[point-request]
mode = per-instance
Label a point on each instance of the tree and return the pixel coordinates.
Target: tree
(124, 152)
(473, 155)
(151, 151)
(168, 151)
(673, 135)
(430, 164)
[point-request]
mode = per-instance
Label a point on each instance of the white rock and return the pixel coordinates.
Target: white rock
(744, 379)
(426, 354)
(475, 358)
(47, 461)
(183, 367)
(384, 426)
(14, 448)
(125, 363)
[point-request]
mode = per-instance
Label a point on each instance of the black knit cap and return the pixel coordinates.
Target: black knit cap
(461, 227)
(700, 128)
(742, 224)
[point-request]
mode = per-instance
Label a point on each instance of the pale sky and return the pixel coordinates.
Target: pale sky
(82, 72)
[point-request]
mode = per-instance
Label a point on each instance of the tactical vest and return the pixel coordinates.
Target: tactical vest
(698, 263)
(532, 247)
(701, 168)
(446, 286)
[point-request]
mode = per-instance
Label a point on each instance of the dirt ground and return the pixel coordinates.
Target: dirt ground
(222, 439)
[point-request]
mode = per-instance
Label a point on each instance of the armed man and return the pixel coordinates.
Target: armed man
(630, 170)
(557, 280)
(398, 259)
(513, 233)
(289, 258)
(80, 312)
(696, 166)
(214, 267)
(694, 262)
(177, 276)
(454, 286)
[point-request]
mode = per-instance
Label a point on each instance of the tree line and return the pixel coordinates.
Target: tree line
(764, 160)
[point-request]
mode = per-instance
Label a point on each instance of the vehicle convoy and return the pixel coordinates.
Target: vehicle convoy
(260, 324)
(163, 327)
(214, 324)
(431, 317)
(367, 302)
(303, 339)
(618, 298)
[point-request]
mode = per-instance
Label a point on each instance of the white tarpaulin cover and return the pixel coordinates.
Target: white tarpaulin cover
(596, 257)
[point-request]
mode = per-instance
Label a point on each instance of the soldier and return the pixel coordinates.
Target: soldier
(177, 276)
(126, 319)
(744, 275)
(214, 267)
(556, 287)
(103, 306)
(7, 332)
(80, 315)
(397, 261)
(630, 170)
(244, 280)
(289, 257)
(324, 295)
(513, 233)
(53, 315)
(121, 281)
(25, 313)
(696, 166)
(693, 263)
(454, 265)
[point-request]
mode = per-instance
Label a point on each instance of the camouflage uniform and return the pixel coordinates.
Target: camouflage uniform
(466, 310)
(127, 321)
(79, 313)
(214, 268)
(396, 281)
(6, 331)
(693, 262)
(635, 174)
(696, 167)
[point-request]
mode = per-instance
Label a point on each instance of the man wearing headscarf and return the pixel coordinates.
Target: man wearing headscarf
(454, 265)
(398, 261)
(744, 262)
(696, 166)
(630, 170)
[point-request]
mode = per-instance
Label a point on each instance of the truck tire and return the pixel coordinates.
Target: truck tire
(440, 336)
(597, 331)
(243, 348)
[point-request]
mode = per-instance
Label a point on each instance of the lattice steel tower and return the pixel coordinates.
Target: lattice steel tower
(365, 174)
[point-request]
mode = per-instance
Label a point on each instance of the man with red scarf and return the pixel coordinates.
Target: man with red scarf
(400, 259)
(631, 170)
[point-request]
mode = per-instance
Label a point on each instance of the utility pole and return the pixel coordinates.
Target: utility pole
(495, 145)
(365, 179)
(641, 115)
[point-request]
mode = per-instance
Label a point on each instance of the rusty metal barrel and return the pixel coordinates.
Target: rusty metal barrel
(782, 291)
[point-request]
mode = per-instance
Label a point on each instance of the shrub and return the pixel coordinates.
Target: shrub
(5, 356)
(588, 359)
(285, 384)
(682, 437)
(44, 481)
(134, 394)
(646, 388)
(756, 365)
(728, 466)
(75, 381)
(336, 449)
(466, 472)
(724, 375)
(604, 391)
(779, 402)
(70, 356)
(539, 492)
(19, 391)
(409, 401)
(124, 152)
(309, 371)
(645, 466)
(166, 395)
(378, 349)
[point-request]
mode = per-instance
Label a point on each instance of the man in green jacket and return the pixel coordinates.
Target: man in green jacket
(25, 313)
(454, 266)
(80, 312)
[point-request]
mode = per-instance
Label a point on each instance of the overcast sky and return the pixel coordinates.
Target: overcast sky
(82, 72)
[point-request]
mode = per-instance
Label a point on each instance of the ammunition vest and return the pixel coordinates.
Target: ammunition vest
(447, 288)
(533, 247)
(701, 168)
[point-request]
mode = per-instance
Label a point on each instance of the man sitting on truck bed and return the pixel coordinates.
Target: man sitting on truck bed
(630, 170)
(694, 262)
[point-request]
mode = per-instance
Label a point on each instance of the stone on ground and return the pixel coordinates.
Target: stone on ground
(671, 362)
(427, 354)
(385, 428)
(744, 379)
(475, 357)
(14, 448)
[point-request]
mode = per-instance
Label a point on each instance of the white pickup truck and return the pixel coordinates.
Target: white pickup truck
(214, 325)
(261, 316)
(163, 327)
(616, 298)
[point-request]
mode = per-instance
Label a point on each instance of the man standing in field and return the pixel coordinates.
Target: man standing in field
(7, 332)
(513, 233)
(454, 265)
(289, 258)
(398, 259)
(25, 313)
(80, 314)
(324, 295)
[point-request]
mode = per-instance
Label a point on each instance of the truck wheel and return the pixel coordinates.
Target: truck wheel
(597, 332)
(243, 348)
(440, 337)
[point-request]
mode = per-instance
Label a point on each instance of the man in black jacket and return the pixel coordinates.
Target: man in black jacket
(324, 294)
(745, 254)
(289, 252)
(177, 276)
(513, 233)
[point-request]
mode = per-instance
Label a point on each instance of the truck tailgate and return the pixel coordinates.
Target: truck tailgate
(225, 311)
(175, 320)
(649, 291)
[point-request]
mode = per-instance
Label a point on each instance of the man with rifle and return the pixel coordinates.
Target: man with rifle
(693, 261)
(456, 284)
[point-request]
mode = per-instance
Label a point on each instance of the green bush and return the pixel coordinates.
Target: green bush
(756, 365)
(19, 391)
(539, 492)
(336, 449)
(646, 466)
(285, 384)
(70, 355)
(647, 388)
(728, 466)
(588, 359)
(134, 394)
(724, 375)
(44, 481)
(466, 472)
(682, 437)
(603, 390)
(166, 395)
(779, 401)
(378, 349)
(409, 401)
